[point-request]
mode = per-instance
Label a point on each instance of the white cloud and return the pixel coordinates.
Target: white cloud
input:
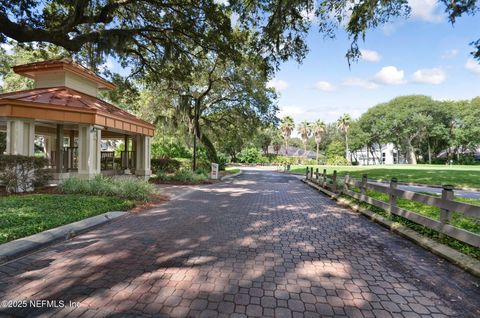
(426, 10)
(293, 111)
(472, 66)
(371, 56)
(277, 84)
(449, 54)
(308, 14)
(325, 86)
(359, 82)
(389, 75)
(430, 76)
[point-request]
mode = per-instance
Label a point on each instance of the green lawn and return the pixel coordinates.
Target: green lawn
(25, 215)
(232, 170)
(459, 176)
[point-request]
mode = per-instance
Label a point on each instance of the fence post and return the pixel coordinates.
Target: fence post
(316, 175)
(324, 182)
(392, 197)
(363, 189)
(346, 181)
(311, 173)
(446, 214)
(306, 174)
(334, 181)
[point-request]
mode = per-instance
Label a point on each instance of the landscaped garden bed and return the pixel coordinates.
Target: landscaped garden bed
(74, 200)
(24, 215)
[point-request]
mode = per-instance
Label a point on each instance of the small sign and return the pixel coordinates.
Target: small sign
(214, 171)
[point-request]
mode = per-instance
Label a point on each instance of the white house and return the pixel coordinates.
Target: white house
(385, 154)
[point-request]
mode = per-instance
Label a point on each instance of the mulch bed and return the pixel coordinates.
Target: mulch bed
(175, 182)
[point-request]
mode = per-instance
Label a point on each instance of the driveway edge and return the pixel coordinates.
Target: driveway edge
(231, 176)
(463, 261)
(24, 245)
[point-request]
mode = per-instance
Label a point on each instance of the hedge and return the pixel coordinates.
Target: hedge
(23, 173)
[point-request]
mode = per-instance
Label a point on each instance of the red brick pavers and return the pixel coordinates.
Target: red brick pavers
(263, 244)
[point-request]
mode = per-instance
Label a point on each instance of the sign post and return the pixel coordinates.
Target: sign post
(214, 174)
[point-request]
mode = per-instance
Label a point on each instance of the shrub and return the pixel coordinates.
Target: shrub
(249, 155)
(222, 161)
(337, 161)
(186, 164)
(165, 165)
(183, 175)
(23, 173)
(124, 188)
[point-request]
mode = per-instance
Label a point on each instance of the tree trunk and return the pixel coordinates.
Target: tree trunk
(429, 153)
(317, 151)
(286, 147)
(210, 148)
(346, 148)
(411, 154)
(305, 149)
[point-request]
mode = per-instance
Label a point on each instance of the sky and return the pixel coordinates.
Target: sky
(422, 55)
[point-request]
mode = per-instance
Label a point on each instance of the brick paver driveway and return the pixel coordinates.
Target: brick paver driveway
(263, 244)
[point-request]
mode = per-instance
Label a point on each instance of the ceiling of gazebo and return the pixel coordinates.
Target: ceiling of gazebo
(64, 104)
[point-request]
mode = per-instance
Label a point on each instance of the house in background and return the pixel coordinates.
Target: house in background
(65, 110)
(385, 154)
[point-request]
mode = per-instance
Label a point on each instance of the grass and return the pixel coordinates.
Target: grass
(25, 215)
(458, 220)
(459, 176)
(232, 170)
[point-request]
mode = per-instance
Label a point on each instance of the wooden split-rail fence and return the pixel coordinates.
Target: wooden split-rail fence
(445, 203)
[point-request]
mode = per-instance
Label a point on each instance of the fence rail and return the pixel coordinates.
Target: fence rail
(445, 203)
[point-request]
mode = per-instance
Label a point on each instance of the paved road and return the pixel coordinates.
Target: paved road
(263, 244)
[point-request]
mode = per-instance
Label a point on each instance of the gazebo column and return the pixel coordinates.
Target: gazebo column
(88, 151)
(125, 156)
(143, 156)
(59, 149)
(20, 137)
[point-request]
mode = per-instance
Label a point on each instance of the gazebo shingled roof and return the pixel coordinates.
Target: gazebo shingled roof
(66, 104)
(61, 103)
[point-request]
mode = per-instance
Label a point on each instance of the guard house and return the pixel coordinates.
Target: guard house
(64, 111)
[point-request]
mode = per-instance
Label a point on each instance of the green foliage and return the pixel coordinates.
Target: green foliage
(222, 161)
(3, 142)
(123, 188)
(170, 149)
(335, 149)
(182, 175)
(23, 173)
(249, 155)
(165, 165)
(337, 161)
(26, 215)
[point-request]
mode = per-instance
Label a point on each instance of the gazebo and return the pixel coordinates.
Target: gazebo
(65, 112)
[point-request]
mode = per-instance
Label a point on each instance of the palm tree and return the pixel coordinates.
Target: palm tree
(305, 130)
(343, 124)
(319, 128)
(287, 127)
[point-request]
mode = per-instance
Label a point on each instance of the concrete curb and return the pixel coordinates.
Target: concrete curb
(231, 176)
(463, 261)
(27, 244)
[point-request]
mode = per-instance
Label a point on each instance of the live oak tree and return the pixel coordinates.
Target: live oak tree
(218, 94)
(146, 33)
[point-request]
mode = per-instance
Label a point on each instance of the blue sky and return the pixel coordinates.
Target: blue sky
(422, 55)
